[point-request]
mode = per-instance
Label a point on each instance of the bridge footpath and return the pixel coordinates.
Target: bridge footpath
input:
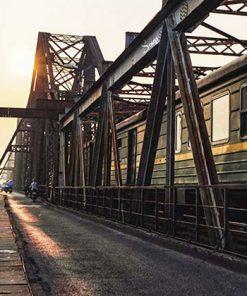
(12, 277)
(67, 254)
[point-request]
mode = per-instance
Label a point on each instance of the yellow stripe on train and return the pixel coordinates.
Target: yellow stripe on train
(220, 150)
(225, 149)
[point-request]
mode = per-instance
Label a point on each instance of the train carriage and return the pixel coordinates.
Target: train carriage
(223, 96)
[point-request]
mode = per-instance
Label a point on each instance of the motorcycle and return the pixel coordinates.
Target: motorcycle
(27, 191)
(7, 189)
(34, 195)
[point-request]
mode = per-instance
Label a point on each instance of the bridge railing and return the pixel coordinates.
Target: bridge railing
(175, 211)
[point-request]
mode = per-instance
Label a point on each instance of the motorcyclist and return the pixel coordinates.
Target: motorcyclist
(10, 185)
(34, 189)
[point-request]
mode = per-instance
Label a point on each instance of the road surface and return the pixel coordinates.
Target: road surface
(70, 255)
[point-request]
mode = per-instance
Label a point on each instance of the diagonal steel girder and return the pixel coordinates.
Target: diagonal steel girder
(154, 115)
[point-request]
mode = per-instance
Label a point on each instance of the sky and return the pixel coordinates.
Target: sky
(108, 20)
(20, 22)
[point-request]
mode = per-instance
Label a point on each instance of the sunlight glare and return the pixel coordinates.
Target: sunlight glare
(23, 65)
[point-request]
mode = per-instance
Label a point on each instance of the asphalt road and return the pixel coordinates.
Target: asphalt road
(70, 255)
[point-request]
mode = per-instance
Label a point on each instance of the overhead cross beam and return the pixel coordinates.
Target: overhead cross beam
(232, 7)
(136, 88)
(216, 46)
(30, 113)
(230, 37)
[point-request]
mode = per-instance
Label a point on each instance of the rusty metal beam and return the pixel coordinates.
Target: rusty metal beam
(232, 7)
(230, 37)
(97, 160)
(29, 113)
(112, 123)
(170, 134)
(82, 181)
(216, 46)
(154, 115)
(11, 141)
(56, 105)
(107, 150)
(201, 148)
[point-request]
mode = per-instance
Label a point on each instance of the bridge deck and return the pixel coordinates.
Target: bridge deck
(12, 277)
(71, 255)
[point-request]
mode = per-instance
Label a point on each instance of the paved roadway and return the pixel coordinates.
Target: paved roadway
(70, 255)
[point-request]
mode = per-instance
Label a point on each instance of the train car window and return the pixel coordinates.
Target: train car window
(243, 112)
(220, 125)
(119, 143)
(189, 142)
(178, 132)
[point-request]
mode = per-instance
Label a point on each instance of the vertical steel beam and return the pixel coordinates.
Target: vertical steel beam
(154, 115)
(170, 138)
(114, 139)
(67, 137)
(39, 90)
(107, 150)
(170, 110)
(97, 159)
(73, 153)
(62, 161)
(38, 137)
(68, 143)
(54, 156)
(81, 154)
(200, 144)
(76, 144)
(100, 154)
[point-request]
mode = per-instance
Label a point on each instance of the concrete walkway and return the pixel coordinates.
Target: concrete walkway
(12, 276)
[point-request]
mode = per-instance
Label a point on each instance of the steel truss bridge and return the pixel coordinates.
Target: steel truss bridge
(69, 110)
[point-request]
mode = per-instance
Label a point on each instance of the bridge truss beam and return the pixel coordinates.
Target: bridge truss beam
(64, 69)
(121, 81)
(136, 86)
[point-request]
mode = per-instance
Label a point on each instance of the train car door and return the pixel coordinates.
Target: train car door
(131, 166)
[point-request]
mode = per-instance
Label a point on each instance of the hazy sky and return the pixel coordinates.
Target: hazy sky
(20, 22)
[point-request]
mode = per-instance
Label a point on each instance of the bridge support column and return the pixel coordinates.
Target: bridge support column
(201, 148)
(154, 114)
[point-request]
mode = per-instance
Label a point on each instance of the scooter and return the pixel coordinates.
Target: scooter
(27, 192)
(8, 189)
(34, 195)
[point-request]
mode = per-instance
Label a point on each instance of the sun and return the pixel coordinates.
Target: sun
(23, 64)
